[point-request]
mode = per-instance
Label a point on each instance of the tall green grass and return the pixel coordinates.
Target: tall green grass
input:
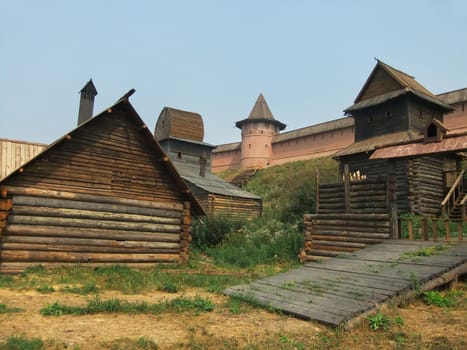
(288, 191)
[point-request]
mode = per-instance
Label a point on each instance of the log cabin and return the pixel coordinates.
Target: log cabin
(396, 113)
(181, 134)
(105, 192)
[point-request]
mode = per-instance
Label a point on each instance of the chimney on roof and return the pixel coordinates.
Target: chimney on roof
(86, 103)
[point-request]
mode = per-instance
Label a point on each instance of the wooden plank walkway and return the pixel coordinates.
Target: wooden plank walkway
(337, 290)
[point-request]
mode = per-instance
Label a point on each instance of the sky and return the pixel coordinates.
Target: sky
(308, 58)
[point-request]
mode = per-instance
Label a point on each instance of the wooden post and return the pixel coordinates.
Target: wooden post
(391, 198)
(460, 230)
(317, 180)
(347, 188)
(447, 228)
(424, 223)
(185, 235)
(434, 226)
(410, 227)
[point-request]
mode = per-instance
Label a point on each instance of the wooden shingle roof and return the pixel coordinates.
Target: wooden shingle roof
(385, 83)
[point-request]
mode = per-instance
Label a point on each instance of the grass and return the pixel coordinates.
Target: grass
(141, 343)
(4, 309)
(379, 321)
(172, 278)
(447, 299)
(22, 343)
(96, 305)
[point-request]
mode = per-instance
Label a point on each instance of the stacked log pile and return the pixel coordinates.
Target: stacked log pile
(46, 227)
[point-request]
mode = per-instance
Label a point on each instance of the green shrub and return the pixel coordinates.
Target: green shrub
(262, 241)
(434, 297)
(212, 229)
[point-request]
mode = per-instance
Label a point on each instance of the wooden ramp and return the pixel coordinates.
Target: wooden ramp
(337, 290)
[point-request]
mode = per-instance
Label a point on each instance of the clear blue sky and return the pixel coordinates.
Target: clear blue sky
(308, 58)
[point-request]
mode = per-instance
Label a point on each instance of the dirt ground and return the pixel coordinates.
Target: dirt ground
(425, 327)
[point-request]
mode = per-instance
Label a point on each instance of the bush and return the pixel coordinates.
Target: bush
(212, 229)
(261, 241)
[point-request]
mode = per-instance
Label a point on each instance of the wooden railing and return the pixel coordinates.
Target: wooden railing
(430, 228)
(453, 196)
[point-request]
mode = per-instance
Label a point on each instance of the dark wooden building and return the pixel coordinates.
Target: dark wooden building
(181, 135)
(104, 193)
(393, 109)
(404, 161)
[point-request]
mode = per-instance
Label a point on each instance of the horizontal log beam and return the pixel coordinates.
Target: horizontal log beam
(92, 198)
(75, 257)
(90, 214)
(53, 248)
(89, 223)
(92, 233)
(89, 242)
(82, 205)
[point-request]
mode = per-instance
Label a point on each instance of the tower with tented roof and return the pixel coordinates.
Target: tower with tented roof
(257, 133)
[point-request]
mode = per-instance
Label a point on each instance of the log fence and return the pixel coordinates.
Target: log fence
(432, 228)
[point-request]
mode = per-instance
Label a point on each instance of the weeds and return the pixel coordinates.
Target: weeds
(141, 343)
(379, 321)
(433, 297)
(22, 343)
(4, 309)
(97, 305)
(45, 289)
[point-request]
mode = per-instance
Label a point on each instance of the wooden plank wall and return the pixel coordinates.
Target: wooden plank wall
(13, 154)
(46, 227)
(235, 207)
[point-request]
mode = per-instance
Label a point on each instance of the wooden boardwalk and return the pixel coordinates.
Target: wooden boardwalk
(337, 290)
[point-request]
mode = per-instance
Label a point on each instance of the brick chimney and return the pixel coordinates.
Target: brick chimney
(86, 103)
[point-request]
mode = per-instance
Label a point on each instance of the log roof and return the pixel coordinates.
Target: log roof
(124, 108)
(261, 112)
(385, 83)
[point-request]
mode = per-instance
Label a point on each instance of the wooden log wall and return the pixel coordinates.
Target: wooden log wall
(61, 227)
(368, 196)
(235, 207)
(328, 235)
(426, 185)
(331, 198)
(110, 158)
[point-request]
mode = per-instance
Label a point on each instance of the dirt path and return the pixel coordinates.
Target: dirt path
(168, 330)
(424, 327)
